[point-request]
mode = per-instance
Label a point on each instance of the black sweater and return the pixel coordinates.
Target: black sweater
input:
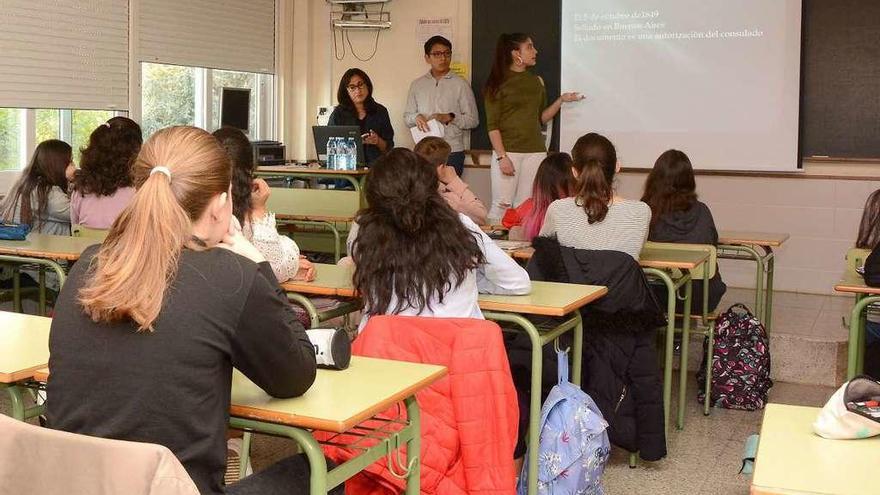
(692, 226)
(172, 386)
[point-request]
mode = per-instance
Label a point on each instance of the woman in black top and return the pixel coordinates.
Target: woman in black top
(677, 216)
(357, 107)
(150, 324)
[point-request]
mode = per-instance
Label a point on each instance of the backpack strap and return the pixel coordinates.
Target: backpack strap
(562, 366)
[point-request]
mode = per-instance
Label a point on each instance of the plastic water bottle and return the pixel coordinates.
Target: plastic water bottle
(352, 154)
(331, 153)
(341, 154)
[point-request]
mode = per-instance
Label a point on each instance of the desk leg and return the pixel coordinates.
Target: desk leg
(683, 359)
(770, 260)
(413, 447)
(310, 308)
(16, 289)
(670, 338)
(42, 291)
(853, 366)
(18, 409)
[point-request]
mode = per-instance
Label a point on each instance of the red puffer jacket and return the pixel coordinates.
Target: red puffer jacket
(468, 418)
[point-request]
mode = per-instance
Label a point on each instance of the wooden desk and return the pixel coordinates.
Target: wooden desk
(24, 348)
(355, 177)
(853, 283)
(757, 247)
(546, 299)
(337, 402)
(792, 459)
(649, 258)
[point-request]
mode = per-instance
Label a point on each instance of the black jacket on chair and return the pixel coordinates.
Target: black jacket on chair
(620, 370)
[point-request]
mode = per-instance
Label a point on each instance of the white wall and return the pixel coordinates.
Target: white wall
(398, 60)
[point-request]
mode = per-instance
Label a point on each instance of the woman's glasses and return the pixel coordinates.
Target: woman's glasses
(353, 87)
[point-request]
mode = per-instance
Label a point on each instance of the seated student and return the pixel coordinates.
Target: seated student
(39, 197)
(452, 188)
(554, 180)
(102, 187)
(869, 238)
(161, 312)
(677, 216)
(596, 217)
(249, 196)
(414, 255)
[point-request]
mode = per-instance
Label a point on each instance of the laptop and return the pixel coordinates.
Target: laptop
(323, 133)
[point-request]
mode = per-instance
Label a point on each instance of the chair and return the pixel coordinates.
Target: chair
(45, 461)
(88, 232)
(706, 318)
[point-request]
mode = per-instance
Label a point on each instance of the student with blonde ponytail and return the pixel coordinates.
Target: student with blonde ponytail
(161, 312)
(596, 217)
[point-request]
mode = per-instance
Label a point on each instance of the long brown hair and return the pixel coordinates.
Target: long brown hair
(503, 60)
(410, 245)
(241, 154)
(45, 171)
(869, 227)
(595, 160)
(670, 186)
(552, 181)
(138, 260)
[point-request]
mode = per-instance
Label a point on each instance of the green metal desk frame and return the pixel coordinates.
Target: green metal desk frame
(855, 362)
(20, 411)
(318, 317)
(42, 264)
(358, 184)
(337, 239)
(764, 260)
(540, 338)
(321, 480)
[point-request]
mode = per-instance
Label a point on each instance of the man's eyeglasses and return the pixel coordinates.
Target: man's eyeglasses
(445, 54)
(352, 87)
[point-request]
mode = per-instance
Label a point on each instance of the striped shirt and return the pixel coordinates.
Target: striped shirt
(624, 228)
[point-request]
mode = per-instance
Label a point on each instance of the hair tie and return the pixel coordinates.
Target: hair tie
(107, 124)
(162, 170)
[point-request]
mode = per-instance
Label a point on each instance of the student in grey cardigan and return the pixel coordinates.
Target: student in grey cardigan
(444, 96)
(39, 197)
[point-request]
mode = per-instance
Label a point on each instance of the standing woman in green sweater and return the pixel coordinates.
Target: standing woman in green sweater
(516, 110)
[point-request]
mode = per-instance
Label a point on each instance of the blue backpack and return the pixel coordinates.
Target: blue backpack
(574, 446)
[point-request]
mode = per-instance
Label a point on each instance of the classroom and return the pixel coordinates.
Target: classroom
(442, 247)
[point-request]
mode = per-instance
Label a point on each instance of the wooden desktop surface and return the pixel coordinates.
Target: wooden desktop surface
(299, 169)
(853, 283)
(337, 401)
(61, 247)
(793, 460)
(649, 257)
(765, 239)
(24, 345)
(546, 298)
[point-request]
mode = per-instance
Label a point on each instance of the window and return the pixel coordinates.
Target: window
(178, 95)
(22, 129)
(168, 96)
(10, 138)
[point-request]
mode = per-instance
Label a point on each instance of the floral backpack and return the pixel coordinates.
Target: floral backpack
(574, 446)
(740, 362)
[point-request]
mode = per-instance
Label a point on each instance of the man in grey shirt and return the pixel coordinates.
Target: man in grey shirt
(444, 96)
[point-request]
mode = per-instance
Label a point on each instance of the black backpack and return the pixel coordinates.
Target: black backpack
(740, 362)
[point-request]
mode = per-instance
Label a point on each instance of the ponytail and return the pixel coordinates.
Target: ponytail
(594, 191)
(138, 260)
(502, 61)
(595, 160)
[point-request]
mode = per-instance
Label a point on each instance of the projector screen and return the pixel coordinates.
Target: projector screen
(717, 79)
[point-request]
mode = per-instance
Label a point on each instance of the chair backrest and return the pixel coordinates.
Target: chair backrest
(46, 461)
(88, 232)
(855, 258)
(697, 273)
(313, 202)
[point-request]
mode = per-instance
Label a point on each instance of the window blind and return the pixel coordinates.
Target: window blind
(70, 54)
(218, 34)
